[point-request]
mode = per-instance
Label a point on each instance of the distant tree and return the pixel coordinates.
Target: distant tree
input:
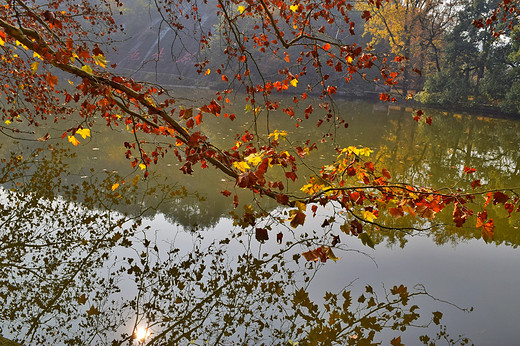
(411, 28)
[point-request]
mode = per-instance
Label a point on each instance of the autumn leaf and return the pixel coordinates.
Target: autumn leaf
(73, 140)
(277, 134)
(254, 158)
(368, 215)
(396, 342)
(293, 8)
(261, 235)
(83, 133)
(241, 165)
(87, 69)
(226, 193)
(241, 9)
(396, 212)
(500, 197)
(469, 170)
(34, 66)
(296, 218)
(92, 311)
(82, 299)
(294, 82)
(115, 186)
(476, 183)
(326, 46)
(487, 227)
(322, 253)
(2, 38)
(100, 60)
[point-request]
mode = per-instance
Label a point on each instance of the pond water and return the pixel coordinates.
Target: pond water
(83, 261)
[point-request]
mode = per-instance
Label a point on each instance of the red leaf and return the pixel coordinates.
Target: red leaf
(469, 170)
(291, 175)
(499, 197)
(487, 227)
(476, 184)
(386, 174)
(488, 199)
(282, 199)
(198, 118)
(225, 193)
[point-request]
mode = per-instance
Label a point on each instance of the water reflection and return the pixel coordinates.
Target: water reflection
(89, 273)
(82, 262)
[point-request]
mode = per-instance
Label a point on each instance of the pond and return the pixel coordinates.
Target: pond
(91, 253)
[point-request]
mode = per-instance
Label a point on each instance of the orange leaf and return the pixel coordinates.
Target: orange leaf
(326, 46)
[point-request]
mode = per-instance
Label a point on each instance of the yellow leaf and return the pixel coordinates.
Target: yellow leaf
(87, 69)
(277, 134)
(349, 59)
(208, 71)
(142, 166)
(83, 133)
(34, 66)
(241, 9)
(115, 186)
(294, 82)
(241, 165)
(367, 215)
(18, 43)
(100, 60)
(248, 107)
(254, 158)
(73, 140)
(294, 8)
(7, 122)
(70, 82)
(36, 55)
(73, 57)
(301, 206)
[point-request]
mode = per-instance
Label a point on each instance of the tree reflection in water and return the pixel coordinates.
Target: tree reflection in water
(74, 269)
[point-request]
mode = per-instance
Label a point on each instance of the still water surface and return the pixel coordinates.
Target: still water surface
(188, 274)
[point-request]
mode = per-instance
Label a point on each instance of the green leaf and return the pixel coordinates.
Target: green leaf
(366, 240)
(87, 69)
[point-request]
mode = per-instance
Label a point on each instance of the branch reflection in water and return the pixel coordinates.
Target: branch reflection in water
(83, 264)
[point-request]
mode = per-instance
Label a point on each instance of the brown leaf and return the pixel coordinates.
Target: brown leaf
(261, 235)
(92, 311)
